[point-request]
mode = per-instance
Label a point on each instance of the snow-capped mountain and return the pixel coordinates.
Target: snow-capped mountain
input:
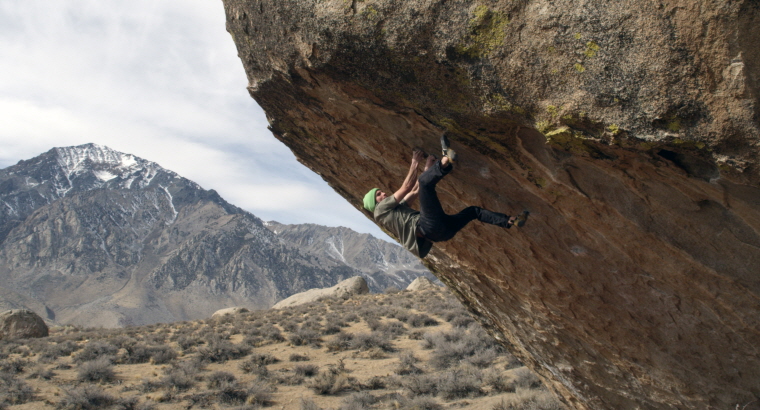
(99, 237)
(62, 172)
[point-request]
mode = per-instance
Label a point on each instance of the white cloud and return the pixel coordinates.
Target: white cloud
(158, 79)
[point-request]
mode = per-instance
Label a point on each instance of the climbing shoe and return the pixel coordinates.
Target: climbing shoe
(447, 152)
(521, 219)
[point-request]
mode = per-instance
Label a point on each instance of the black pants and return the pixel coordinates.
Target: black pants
(434, 223)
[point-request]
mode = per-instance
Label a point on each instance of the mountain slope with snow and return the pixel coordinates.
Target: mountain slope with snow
(102, 238)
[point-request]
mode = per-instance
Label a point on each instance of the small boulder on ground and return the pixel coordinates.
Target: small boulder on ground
(421, 283)
(351, 286)
(21, 324)
(230, 311)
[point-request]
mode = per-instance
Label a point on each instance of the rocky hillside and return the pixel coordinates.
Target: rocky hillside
(95, 237)
(629, 130)
(381, 263)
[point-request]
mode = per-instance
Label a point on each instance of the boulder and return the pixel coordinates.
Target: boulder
(629, 129)
(351, 286)
(230, 311)
(21, 324)
(421, 283)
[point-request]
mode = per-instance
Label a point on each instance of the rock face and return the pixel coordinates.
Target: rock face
(351, 286)
(21, 324)
(230, 311)
(421, 284)
(630, 131)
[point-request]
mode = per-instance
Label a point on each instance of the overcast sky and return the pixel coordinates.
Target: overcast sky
(160, 80)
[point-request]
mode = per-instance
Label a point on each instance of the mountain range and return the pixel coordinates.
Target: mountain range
(91, 236)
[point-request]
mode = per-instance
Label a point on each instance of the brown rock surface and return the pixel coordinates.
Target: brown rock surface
(630, 131)
(21, 324)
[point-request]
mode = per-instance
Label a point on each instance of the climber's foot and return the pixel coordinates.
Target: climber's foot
(521, 219)
(447, 152)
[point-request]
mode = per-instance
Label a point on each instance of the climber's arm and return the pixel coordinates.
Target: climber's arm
(413, 194)
(411, 178)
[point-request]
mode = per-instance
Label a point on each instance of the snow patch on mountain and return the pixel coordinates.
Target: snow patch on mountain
(106, 165)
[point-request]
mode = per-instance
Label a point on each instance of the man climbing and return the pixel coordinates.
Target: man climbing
(418, 230)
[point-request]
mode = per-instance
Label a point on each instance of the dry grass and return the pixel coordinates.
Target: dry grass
(397, 350)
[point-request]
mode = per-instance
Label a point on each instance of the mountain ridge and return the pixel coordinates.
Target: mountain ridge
(104, 238)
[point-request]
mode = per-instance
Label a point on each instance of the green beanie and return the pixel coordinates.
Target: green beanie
(369, 200)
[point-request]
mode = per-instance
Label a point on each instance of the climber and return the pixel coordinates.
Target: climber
(418, 230)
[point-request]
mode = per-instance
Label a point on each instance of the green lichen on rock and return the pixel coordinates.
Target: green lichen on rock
(591, 49)
(370, 13)
(486, 32)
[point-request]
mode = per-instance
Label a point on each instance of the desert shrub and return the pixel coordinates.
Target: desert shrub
(498, 381)
(141, 353)
(526, 379)
(340, 342)
(122, 341)
(308, 404)
(420, 403)
(88, 397)
(373, 323)
(37, 345)
(266, 334)
(461, 320)
(454, 347)
(132, 403)
(367, 341)
(420, 320)
(295, 357)
(188, 342)
(14, 391)
(312, 324)
(351, 317)
(331, 329)
(290, 325)
(393, 329)
(263, 358)
(530, 400)
(259, 393)
(420, 385)
(219, 351)
(482, 358)
(254, 366)
(418, 335)
(217, 379)
(460, 383)
(179, 377)
(233, 393)
(40, 372)
(98, 370)
(358, 401)
(305, 337)
(375, 383)
(54, 351)
(407, 365)
(306, 370)
(330, 383)
(13, 366)
(335, 319)
(94, 350)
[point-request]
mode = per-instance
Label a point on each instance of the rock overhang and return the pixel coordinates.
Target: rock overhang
(633, 144)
